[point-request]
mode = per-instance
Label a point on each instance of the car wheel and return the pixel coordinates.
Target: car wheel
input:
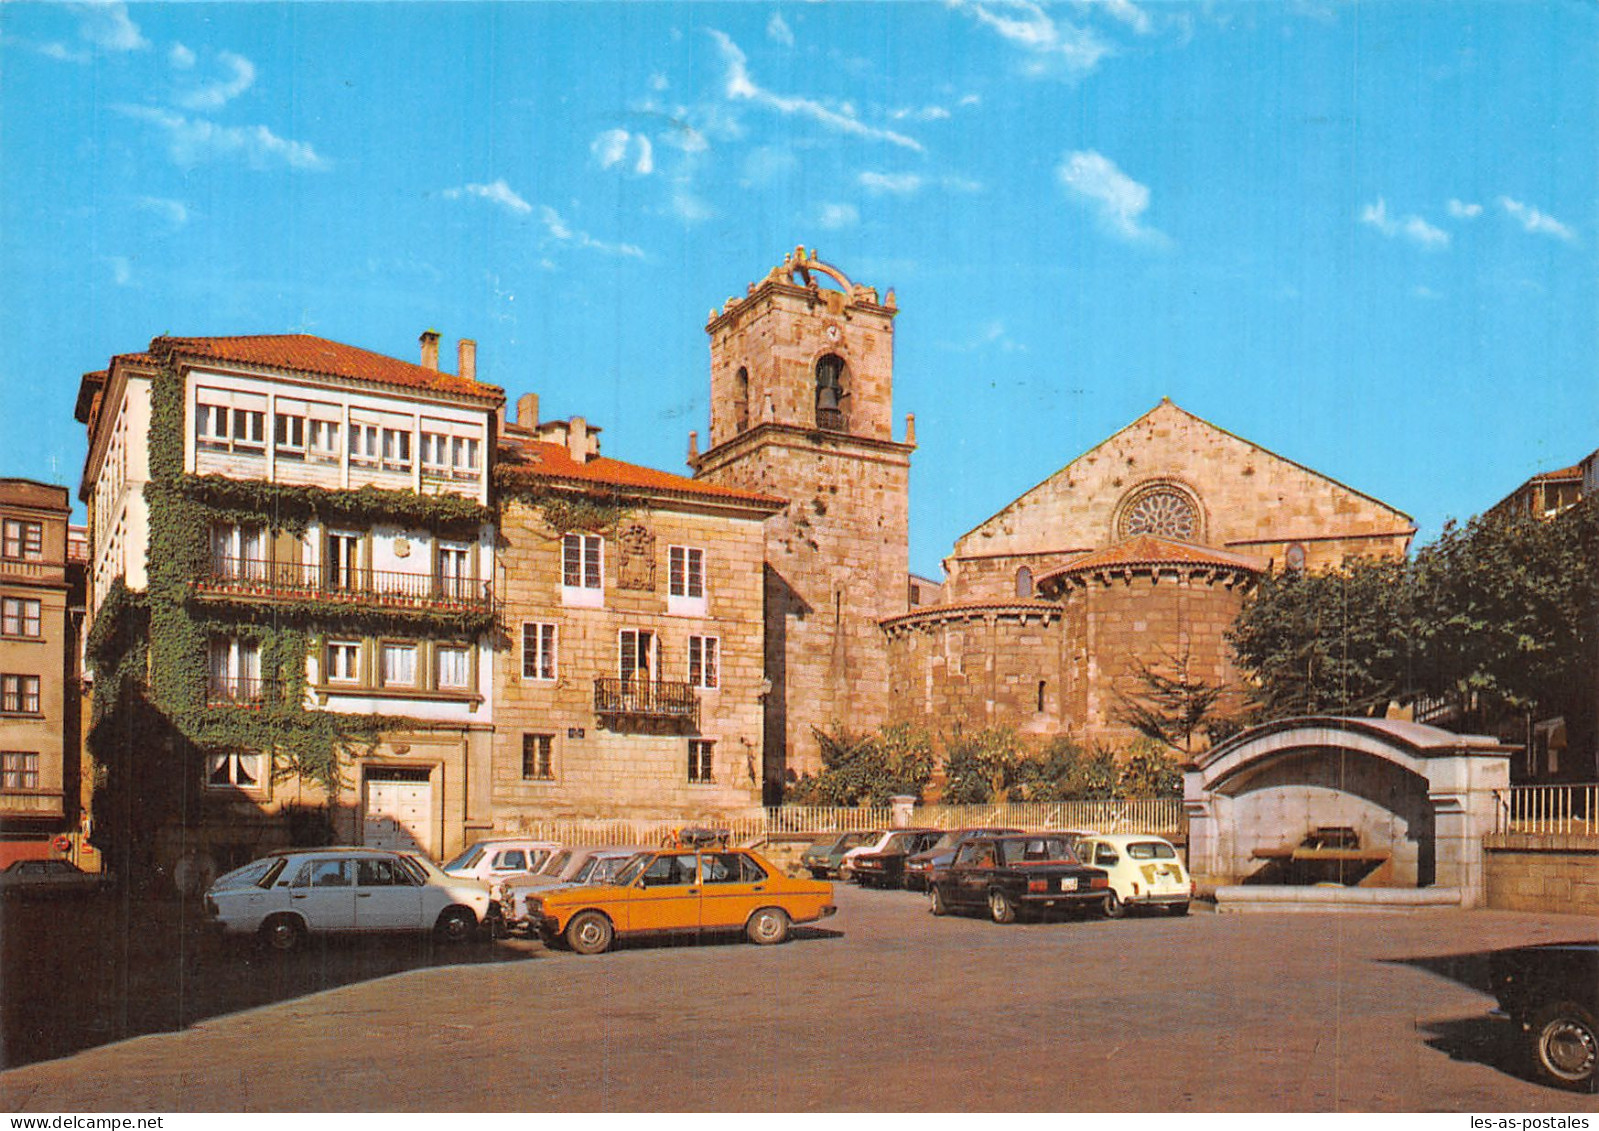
(1565, 1045)
(767, 927)
(589, 932)
(1177, 909)
(1114, 907)
(1001, 907)
(939, 906)
(455, 925)
(283, 933)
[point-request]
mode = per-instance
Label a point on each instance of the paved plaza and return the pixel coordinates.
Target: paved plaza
(882, 1007)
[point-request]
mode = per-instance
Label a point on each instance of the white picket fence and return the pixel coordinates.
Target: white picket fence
(1159, 816)
(1546, 810)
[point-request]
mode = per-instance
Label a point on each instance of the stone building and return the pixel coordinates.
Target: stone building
(802, 382)
(285, 529)
(1137, 555)
(40, 603)
(632, 676)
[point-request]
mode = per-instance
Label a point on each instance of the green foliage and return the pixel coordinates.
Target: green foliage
(291, 506)
(867, 769)
(1172, 705)
(1064, 771)
(1149, 771)
(982, 766)
(564, 509)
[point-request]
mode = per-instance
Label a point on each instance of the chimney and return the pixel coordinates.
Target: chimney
(466, 359)
(577, 440)
(527, 411)
(693, 448)
(430, 349)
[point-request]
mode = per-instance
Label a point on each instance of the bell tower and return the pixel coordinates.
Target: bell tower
(802, 383)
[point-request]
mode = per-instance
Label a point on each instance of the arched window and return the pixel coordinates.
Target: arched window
(1024, 582)
(741, 399)
(831, 393)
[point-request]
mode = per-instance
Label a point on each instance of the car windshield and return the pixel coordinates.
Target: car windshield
(633, 868)
(423, 869)
(855, 840)
(900, 842)
(556, 863)
(468, 858)
(948, 840)
(607, 870)
(586, 872)
(1151, 850)
(1036, 850)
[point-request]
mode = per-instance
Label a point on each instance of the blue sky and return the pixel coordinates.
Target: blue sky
(1362, 235)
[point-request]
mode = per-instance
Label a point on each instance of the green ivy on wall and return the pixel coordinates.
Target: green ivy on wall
(565, 509)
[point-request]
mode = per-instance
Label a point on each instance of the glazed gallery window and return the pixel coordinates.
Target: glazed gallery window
(22, 541)
(699, 760)
(399, 665)
(454, 664)
(538, 651)
(305, 430)
(238, 552)
(19, 770)
(538, 757)
(702, 661)
(21, 616)
(446, 454)
(230, 422)
(19, 694)
(233, 769)
(582, 570)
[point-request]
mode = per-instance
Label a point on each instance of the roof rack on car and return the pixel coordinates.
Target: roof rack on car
(696, 837)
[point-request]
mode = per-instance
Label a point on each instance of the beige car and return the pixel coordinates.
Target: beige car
(1145, 871)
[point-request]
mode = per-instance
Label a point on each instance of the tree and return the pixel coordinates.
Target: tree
(1172, 706)
(981, 767)
(1149, 771)
(867, 769)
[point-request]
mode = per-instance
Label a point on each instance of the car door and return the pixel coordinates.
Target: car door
(323, 893)
(732, 886)
(669, 899)
(957, 883)
(387, 897)
(981, 860)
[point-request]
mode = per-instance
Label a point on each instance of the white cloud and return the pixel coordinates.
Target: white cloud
(969, 100)
(740, 87)
(560, 230)
(63, 53)
(497, 192)
(778, 31)
(107, 25)
(215, 95)
(1536, 222)
(1460, 210)
(121, 270)
(929, 113)
(894, 184)
(174, 212)
(1029, 27)
(1412, 228)
(1128, 13)
(658, 82)
(193, 140)
(835, 216)
(180, 57)
(1120, 201)
(611, 148)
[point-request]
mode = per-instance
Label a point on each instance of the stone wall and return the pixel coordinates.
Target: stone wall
(1543, 873)
(637, 767)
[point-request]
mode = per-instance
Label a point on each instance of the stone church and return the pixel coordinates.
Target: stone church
(1139, 551)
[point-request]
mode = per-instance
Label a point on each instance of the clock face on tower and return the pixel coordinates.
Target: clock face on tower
(832, 333)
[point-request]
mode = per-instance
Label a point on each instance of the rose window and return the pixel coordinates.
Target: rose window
(1164, 512)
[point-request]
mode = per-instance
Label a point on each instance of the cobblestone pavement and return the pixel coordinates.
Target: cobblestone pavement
(882, 1008)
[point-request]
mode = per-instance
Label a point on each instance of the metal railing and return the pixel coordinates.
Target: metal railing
(239, 691)
(1548, 810)
(643, 698)
(257, 577)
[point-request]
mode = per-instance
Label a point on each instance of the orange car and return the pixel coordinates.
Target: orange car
(682, 889)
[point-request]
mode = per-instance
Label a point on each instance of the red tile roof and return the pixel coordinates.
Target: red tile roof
(1147, 550)
(1564, 473)
(305, 353)
(537, 459)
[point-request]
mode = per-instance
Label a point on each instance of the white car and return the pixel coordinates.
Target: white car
(494, 860)
(1144, 871)
(846, 866)
(340, 890)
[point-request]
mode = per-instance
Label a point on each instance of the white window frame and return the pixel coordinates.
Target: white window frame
(19, 770)
(628, 653)
(544, 758)
(322, 441)
(465, 651)
(365, 444)
(705, 669)
(589, 593)
(18, 614)
(22, 541)
(396, 448)
(289, 422)
(17, 691)
(385, 647)
(702, 761)
(233, 766)
(685, 581)
(545, 666)
(351, 649)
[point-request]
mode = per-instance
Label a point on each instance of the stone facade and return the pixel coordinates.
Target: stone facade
(801, 409)
(1543, 873)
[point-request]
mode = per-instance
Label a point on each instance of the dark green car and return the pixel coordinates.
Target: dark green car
(824, 858)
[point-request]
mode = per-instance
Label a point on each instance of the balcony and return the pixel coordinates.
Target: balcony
(272, 580)
(241, 691)
(646, 699)
(23, 569)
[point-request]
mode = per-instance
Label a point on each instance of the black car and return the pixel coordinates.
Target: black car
(886, 867)
(1006, 874)
(922, 867)
(1552, 992)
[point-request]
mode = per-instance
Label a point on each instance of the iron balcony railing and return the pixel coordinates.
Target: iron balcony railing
(240, 691)
(256, 577)
(648, 699)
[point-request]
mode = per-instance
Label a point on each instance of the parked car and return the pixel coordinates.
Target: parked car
(921, 867)
(494, 860)
(338, 890)
(588, 867)
(680, 890)
(824, 858)
(43, 877)
(1552, 992)
(1006, 874)
(1144, 872)
(846, 866)
(885, 868)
